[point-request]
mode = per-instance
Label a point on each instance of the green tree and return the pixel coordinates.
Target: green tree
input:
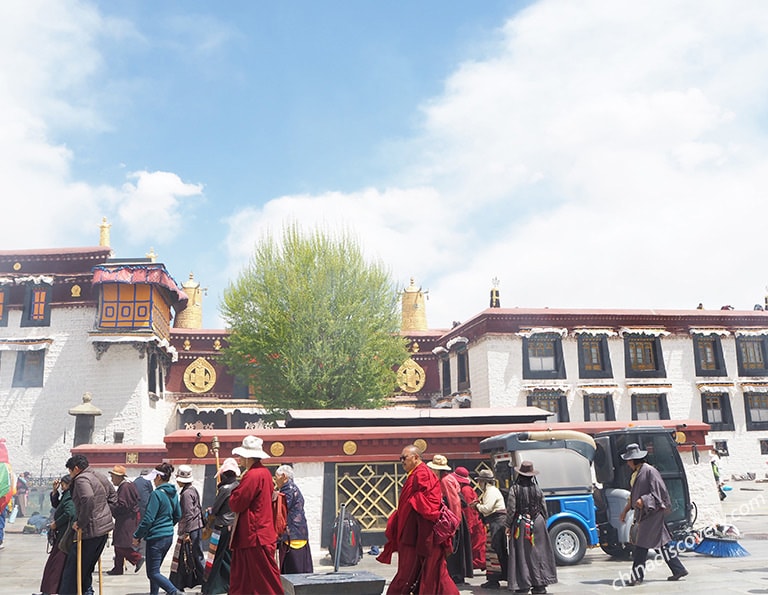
(313, 325)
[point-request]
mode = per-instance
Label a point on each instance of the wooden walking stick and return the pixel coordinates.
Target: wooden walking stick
(101, 592)
(79, 561)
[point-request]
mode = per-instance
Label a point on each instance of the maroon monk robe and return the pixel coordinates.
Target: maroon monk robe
(476, 528)
(254, 569)
(410, 533)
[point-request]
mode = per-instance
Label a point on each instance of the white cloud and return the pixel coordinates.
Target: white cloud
(50, 65)
(150, 207)
(391, 225)
(606, 154)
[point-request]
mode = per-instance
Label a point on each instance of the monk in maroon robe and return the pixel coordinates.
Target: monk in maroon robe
(421, 566)
(254, 540)
(476, 526)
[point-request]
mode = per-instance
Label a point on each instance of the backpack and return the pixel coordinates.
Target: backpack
(351, 540)
(446, 524)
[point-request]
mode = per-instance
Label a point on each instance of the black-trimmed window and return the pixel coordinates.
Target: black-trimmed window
(553, 401)
(751, 356)
(4, 294)
(721, 446)
(756, 408)
(594, 359)
(30, 366)
(643, 357)
(599, 408)
(462, 369)
(708, 355)
(716, 411)
(650, 406)
(764, 447)
(446, 366)
(37, 306)
(543, 356)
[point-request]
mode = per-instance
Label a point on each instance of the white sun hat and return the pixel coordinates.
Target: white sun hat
(251, 448)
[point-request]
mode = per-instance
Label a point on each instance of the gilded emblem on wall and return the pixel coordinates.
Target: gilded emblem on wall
(277, 449)
(131, 458)
(411, 376)
(349, 447)
(200, 450)
(421, 444)
(76, 291)
(200, 376)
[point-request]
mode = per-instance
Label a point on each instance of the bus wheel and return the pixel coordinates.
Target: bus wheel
(569, 543)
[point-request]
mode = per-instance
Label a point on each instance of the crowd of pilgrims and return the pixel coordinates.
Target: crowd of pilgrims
(244, 554)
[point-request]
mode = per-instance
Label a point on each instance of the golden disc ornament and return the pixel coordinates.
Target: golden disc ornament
(200, 376)
(277, 449)
(200, 450)
(421, 444)
(349, 447)
(411, 376)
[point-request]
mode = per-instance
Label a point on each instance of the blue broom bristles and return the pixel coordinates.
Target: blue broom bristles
(720, 548)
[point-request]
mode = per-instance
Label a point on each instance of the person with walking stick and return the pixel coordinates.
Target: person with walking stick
(92, 494)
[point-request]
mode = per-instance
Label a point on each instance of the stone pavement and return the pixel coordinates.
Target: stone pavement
(22, 561)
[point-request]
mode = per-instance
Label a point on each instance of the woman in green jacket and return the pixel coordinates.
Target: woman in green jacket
(62, 519)
(156, 527)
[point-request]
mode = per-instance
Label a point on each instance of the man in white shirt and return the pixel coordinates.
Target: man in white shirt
(491, 506)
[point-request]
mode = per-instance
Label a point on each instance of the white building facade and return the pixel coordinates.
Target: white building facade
(595, 365)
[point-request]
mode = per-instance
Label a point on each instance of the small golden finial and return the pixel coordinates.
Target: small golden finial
(104, 232)
(151, 255)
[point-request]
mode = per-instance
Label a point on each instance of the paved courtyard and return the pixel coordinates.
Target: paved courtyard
(22, 561)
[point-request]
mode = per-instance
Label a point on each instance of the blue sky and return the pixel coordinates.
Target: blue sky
(596, 154)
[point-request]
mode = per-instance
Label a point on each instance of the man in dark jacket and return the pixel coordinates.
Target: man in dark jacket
(144, 487)
(126, 514)
(191, 524)
(93, 494)
(650, 500)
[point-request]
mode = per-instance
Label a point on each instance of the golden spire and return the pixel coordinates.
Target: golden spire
(104, 232)
(413, 311)
(151, 254)
(192, 315)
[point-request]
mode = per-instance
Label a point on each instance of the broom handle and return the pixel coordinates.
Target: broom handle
(79, 561)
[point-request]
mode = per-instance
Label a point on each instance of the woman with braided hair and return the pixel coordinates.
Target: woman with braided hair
(531, 562)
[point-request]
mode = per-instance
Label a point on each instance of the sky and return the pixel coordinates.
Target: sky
(593, 154)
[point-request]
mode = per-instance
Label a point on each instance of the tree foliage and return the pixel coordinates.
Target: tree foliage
(313, 325)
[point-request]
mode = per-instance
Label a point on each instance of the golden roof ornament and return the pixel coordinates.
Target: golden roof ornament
(151, 255)
(191, 316)
(414, 314)
(104, 239)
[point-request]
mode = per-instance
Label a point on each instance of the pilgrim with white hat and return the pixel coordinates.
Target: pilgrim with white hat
(219, 520)
(126, 514)
(650, 499)
(190, 529)
(491, 506)
(254, 539)
(460, 561)
(531, 557)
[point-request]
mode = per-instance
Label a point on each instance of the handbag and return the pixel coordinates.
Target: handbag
(446, 525)
(67, 539)
(208, 526)
(188, 572)
(633, 531)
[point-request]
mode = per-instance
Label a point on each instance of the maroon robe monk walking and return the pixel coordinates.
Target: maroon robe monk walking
(475, 523)
(421, 566)
(254, 540)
